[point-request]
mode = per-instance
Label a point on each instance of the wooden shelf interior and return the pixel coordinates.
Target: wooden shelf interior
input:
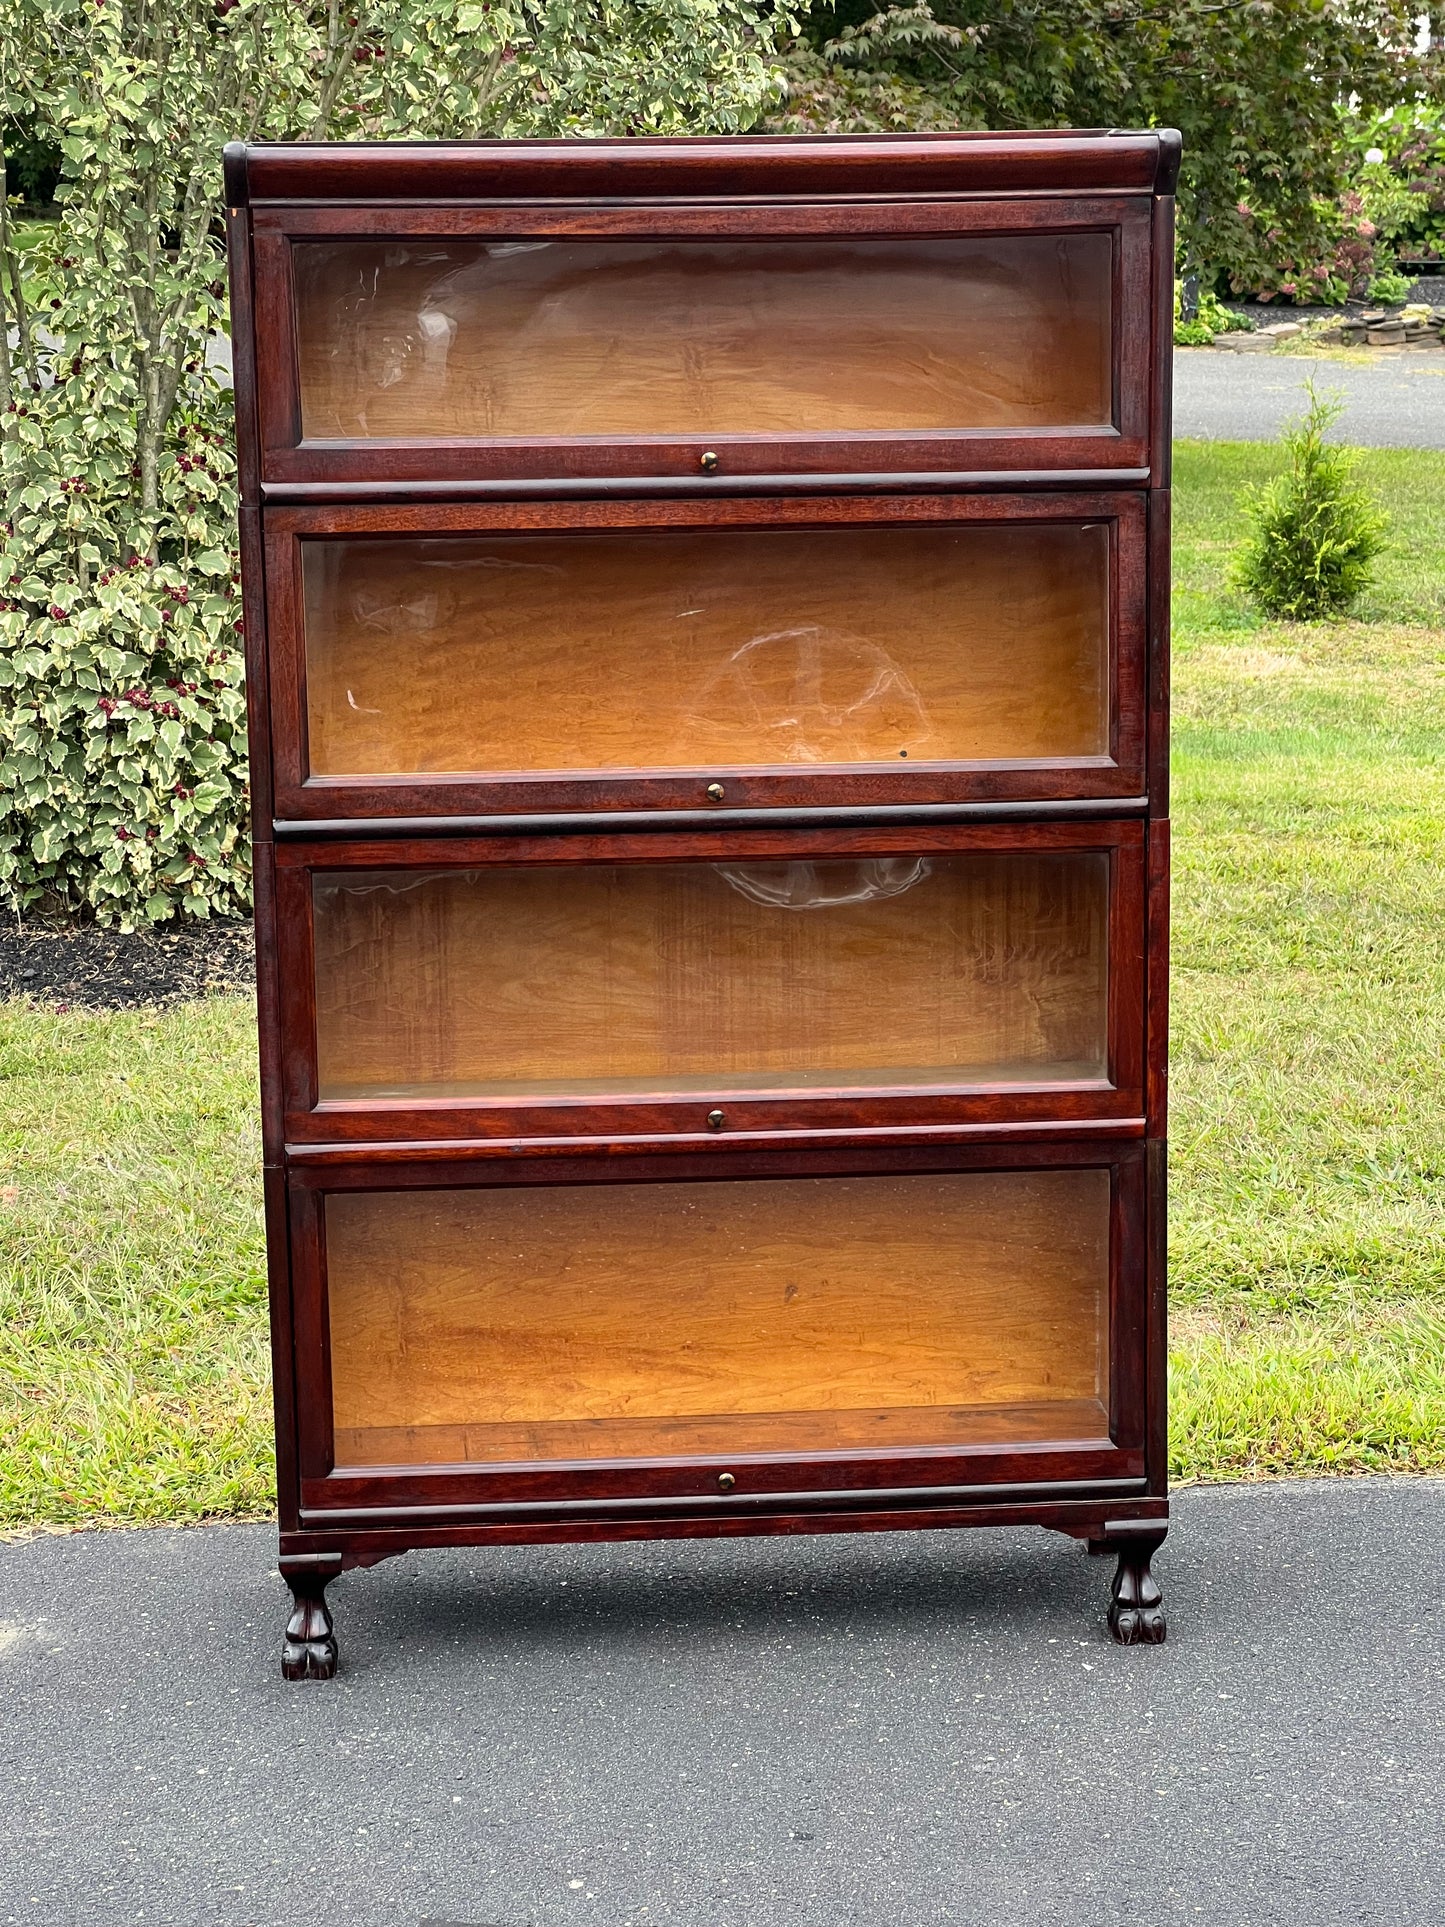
(710, 649)
(475, 339)
(636, 1321)
(582, 979)
(1057, 1422)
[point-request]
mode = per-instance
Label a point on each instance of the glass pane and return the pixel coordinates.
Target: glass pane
(715, 648)
(807, 1314)
(471, 339)
(565, 978)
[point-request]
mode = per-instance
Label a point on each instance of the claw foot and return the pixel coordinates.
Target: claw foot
(1136, 1605)
(309, 1650)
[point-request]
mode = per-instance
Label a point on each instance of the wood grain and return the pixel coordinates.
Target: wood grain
(638, 170)
(625, 1302)
(1051, 1421)
(456, 339)
(541, 980)
(707, 648)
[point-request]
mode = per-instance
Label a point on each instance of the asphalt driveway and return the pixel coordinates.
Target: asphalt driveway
(878, 1731)
(1395, 402)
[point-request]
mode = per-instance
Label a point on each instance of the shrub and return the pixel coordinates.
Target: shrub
(1193, 334)
(1211, 318)
(122, 738)
(1315, 529)
(1255, 89)
(1401, 173)
(122, 715)
(1390, 287)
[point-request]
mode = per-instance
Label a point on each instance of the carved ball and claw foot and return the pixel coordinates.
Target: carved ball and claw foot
(309, 1650)
(1136, 1605)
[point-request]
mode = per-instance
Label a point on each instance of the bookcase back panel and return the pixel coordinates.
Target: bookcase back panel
(623, 1320)
(707, 648)
(582, 979)
(482, 340)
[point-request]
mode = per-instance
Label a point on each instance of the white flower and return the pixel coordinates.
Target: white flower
(1373, 154)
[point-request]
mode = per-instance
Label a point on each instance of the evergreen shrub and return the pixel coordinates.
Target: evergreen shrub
(1315, 530)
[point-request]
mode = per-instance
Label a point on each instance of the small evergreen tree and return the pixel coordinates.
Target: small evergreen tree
(1315, 529)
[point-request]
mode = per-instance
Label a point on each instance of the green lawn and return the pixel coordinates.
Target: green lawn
(133, 1365)
(1307, 1255)
(1309, 1093)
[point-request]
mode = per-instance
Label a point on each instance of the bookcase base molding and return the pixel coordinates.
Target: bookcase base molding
(310, 1562)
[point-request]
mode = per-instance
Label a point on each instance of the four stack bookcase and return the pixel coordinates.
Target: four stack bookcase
(707, 622)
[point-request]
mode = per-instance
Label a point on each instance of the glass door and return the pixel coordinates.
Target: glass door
(721, 1320)
(486, 988)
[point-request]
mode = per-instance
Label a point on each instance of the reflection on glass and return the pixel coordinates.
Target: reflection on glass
(707, 649)
(581, 979)
(470, 339)
(634, 1321)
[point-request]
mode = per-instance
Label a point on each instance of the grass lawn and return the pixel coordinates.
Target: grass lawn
(1308, 1260)
(1307, 1236)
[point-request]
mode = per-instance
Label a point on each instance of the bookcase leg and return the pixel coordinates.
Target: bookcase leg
(1136, 1605)
(309, 1650)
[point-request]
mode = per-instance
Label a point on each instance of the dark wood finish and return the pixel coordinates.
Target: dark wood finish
(1082, 1511)
(1123, 442)
(648, 170)
(1157, 620)
(1155, 1349)
(1157, 984)
(751, 1107)
(243, 356)
(283, 1350)
(421, 1192)
(680, 1143)
(309, 1649)
(713, 487)
(586, 1488)
(1109, 764)
(1161, 347)
(1136, 1605)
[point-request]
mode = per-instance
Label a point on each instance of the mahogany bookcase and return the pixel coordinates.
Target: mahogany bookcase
(707, 627)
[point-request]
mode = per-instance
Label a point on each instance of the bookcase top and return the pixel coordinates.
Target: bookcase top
(1064, 160)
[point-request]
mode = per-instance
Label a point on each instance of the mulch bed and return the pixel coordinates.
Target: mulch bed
(86, 968)
(1429, 288)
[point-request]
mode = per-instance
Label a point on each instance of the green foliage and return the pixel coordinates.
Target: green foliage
(1211, 318)
(121, 727)
(1400, 175)
(1307, 1311)
(1224, 321)
(1255, 90)
(1390, 288)
(1192, 334)
(1315, 529)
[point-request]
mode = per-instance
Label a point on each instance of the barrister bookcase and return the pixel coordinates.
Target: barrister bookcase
(706, 622)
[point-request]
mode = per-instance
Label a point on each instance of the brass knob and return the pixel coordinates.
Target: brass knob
(715, 1120)
(715, 792)
(709, 462)
(726, 1481)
